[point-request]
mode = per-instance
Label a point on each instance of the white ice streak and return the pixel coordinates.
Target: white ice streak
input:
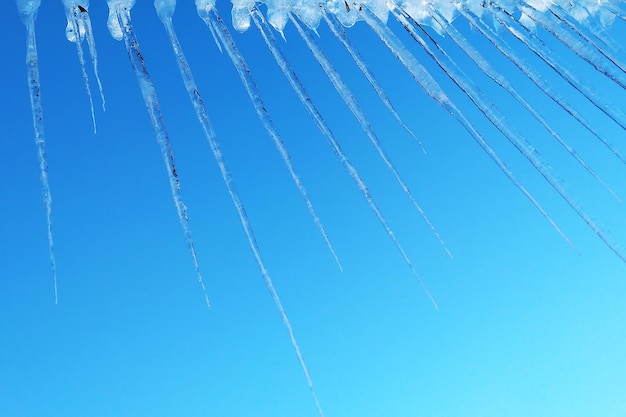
(501, 80)
(211, 17)
(350, 101)
(335, 26)
(535, 77)
(515, 138)
(120, 25)
(432, 88)
(28, 12)
(307, 102)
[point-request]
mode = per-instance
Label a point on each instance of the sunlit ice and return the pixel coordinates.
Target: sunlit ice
(552, 128)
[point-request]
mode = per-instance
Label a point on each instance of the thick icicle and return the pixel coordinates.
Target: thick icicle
(516, 139)
(536, 78)
(28, 12)
(580, 48)
(307, 102)
(337, 29)
(209, 133)
(75, 32)
(348, 98)
(544, 52)
(214, 21)
(121, 28)
(432, 88)
(499, 79)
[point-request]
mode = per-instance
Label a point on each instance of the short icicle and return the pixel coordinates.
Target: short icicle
(433, 90)
(515, 138)
(307, 102)
(536, 78)
(340, 33)
(211, 17)
(28, 12)
(348, 98)
(121, 28)
(501, 80)
(75, 33)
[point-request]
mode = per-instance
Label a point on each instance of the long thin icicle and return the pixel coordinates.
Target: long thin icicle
(28, 12)
(499, 79)
(348, 98)
(606, 50)
(544, 52)
(580, 48)
(214, 20)
(340, 34)
(432, 88)
(536, 78)
(121, 28)
(91, 42)
(516, 139)
(209, 133)
(75, 32)
(307, 102)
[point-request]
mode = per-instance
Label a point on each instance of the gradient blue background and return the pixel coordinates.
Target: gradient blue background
(526, 326)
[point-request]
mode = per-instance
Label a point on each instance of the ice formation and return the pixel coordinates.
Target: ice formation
(581, 26)
(28, 12)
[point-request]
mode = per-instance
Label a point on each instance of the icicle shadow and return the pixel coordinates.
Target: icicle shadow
(121, 28)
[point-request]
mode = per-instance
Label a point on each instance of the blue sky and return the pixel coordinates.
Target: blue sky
(526, 326)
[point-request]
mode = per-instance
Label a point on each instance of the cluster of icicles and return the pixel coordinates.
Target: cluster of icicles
(581, 26)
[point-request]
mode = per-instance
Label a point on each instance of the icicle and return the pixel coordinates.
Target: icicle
(340, 34)
(558, 13)
(212, 18)
(75, 32)
(348, 98)
(499, 79)
(307, 102)
(543, 52)
(536, 78)
(91, 43)
(28, 12)
(516, 139)
(432, 88)
(120, 25)
(579, 48)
